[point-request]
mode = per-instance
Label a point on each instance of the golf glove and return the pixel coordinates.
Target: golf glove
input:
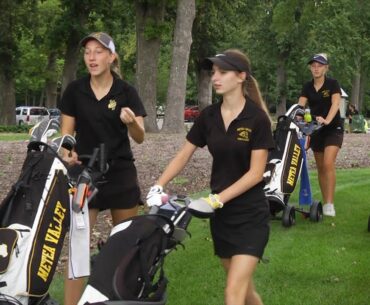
(213, 200)
(154, 197)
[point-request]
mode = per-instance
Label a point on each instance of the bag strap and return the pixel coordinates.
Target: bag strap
(146, 272)
(25, 176)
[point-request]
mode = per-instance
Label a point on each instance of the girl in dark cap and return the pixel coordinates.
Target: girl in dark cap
(237, 132)
(322, 94)
(103, 108)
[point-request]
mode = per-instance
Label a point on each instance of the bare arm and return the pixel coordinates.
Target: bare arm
(135, 124)
(249, 179)
(302, 101)
(177, 163)
(68, 128)
(335, 102)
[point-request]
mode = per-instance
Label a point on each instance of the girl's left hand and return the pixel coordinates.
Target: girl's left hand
(321, 120)
(127, 116)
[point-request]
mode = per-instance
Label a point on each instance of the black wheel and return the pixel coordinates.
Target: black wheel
(316, 214)
(288, 216)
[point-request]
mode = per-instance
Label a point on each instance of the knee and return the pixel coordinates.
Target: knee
(235, 292)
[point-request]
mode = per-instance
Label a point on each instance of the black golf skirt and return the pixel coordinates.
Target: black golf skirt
(119, 188)
(241, 229)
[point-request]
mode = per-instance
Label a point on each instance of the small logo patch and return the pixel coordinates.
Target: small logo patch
(243, 134)
(112, 105)
(325, 93)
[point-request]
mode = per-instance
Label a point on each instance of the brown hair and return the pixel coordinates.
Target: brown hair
(250, 85)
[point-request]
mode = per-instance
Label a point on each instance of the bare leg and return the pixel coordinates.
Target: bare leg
(239, 285)
(73, 288)
(326, 172)
(119, 215)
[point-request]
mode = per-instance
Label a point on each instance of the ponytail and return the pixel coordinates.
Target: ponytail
(115, 67)
(251, 89)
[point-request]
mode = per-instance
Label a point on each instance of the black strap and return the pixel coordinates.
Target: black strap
(22, 182)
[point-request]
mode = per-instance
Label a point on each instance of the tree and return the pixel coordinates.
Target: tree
(174, 114)
(15, 17)
(149, 21)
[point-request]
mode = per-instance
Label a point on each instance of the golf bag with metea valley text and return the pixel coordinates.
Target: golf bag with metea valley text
(34, 217)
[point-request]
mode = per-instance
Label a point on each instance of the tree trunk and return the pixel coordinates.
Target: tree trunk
(281, 80)
(204, 89)
(356, 81)
(7, 100)
(71, 62)
(51, 84)
(174, 115)
(147, 58)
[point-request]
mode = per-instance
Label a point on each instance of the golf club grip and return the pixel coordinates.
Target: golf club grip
(93, 157)
(154, 209)
(102, 159)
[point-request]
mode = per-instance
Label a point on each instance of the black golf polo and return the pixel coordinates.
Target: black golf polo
(100, 118)
(320, 101)
(231, 149)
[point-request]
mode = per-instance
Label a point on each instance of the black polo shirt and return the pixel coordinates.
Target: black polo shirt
(231, 149)
(320, 101)
(98, 121)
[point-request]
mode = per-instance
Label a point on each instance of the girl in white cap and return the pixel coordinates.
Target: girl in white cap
(103, 108)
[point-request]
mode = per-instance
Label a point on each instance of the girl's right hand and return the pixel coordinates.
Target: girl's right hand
(71, 157)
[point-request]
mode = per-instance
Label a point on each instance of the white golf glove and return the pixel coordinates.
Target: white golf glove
(154, 197)
(213, 200)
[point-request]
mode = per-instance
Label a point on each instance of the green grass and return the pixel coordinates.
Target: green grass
(324, 263)
(14, 136)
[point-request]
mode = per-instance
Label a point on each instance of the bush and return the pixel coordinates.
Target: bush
(15, 128)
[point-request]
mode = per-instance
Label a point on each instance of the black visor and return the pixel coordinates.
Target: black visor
(227, 62)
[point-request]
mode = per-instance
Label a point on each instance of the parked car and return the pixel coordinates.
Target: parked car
(55, 113)
(30, 115)
(191, 113)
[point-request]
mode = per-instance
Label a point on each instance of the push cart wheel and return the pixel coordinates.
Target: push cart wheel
(288, 216)
(316, 214)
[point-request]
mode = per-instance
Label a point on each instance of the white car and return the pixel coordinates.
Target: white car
(30, 115)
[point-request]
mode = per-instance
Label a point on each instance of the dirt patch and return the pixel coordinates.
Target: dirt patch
(152, 157)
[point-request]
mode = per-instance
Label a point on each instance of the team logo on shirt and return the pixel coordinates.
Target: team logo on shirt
(243, 134)
(325, 93)
(112, 105)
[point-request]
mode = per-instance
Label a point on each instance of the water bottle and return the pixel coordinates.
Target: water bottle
(307, 115)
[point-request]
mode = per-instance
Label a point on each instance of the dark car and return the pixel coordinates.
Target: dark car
(191, 113)
(55, 113)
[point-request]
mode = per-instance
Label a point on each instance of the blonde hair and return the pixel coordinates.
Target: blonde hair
(115, 67)
(250, 85)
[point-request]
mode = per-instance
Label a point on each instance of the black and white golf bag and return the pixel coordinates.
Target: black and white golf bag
(285, 162)
(128, 270)
(34, 218)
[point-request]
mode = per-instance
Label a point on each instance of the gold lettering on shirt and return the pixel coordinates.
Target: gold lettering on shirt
(243, 134)
(112, 105)
(325, 93)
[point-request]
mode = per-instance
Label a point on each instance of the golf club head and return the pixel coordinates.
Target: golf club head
(201, 209)
(44, 130)
(66, 141)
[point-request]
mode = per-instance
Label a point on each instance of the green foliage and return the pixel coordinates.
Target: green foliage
(14, 129)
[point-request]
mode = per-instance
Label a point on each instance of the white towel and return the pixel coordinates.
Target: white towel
(79, 243)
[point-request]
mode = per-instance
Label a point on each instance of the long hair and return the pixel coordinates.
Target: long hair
(115, 67)
(250, 85)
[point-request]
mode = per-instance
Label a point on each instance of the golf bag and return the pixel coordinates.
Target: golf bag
(128, 270)
(34, 219)
(287, 163)
(284, 165)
